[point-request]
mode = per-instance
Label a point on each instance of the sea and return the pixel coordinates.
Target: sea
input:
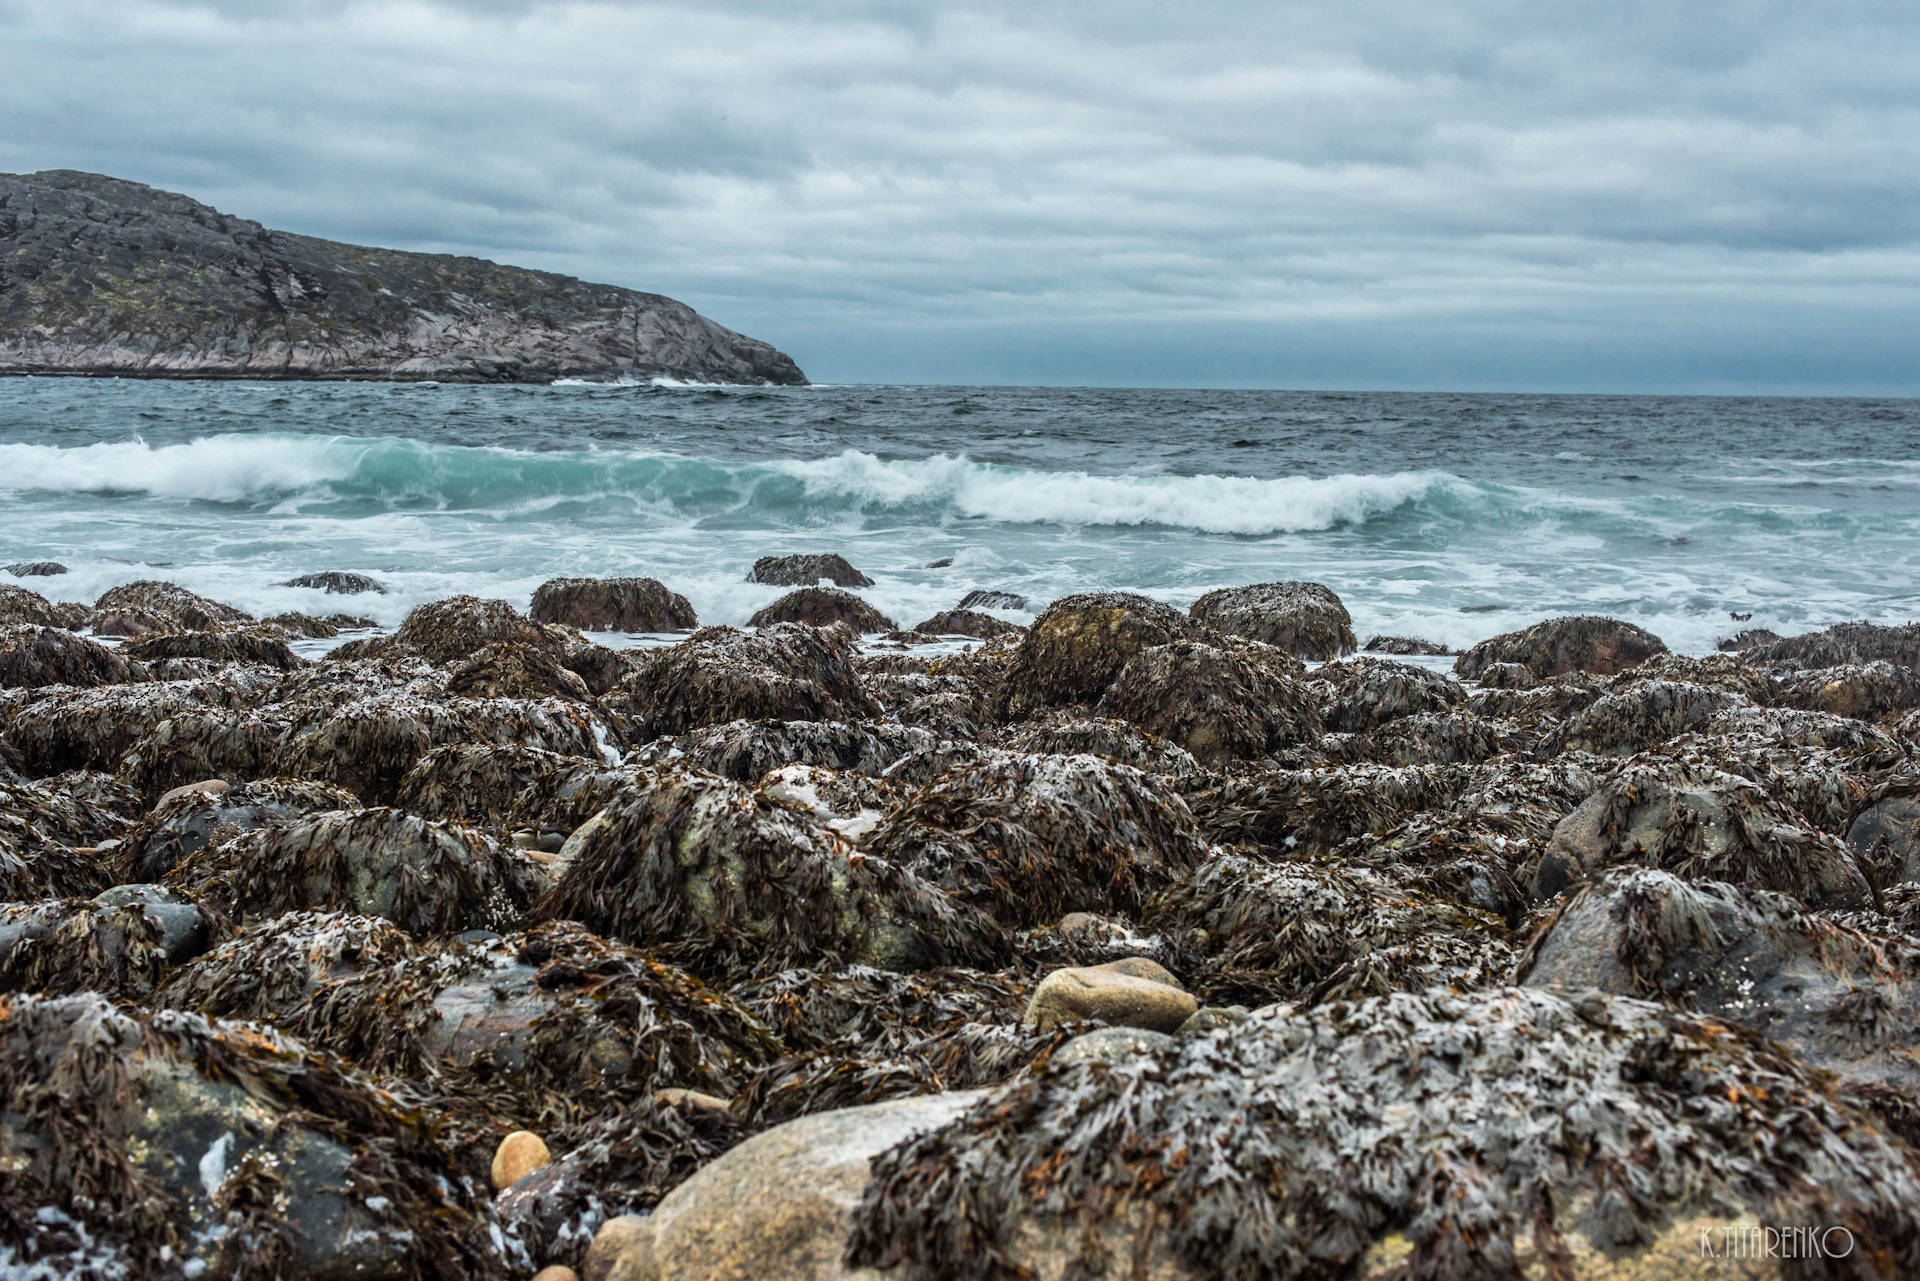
(1447, 517)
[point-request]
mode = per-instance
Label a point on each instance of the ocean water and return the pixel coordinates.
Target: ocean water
(1451, 517)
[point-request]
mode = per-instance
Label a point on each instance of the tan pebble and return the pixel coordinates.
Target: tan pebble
(1141, 968)
(558, 1272)
(1115, 998)
(520, 1154)
(678, 1098)
(205, 787)
(609, 1243)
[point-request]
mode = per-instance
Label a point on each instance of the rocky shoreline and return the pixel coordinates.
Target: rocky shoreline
(1135, 943)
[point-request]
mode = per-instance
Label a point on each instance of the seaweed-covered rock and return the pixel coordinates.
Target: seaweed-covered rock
(1865, 691)
(1886, 835)
(133, 609)
(1794, 727)
(425, 877)
(948, 706)
(1119, 741)
(1538, 703)
(1429, 738)
(1363, 692)
(1305, 619)
(727, 881)
(823, 607)
(337, 582)
(748, 750)
(1844, 644)
(786, 672)
(1642, 714)
(1079, 644)
(1745, 639)
(1727, 672)
(599, 666)
(806, 571)
(36, 568)
(194, 821)
(1506, 676)
(294, 623)
(969, 622)
(847, 801)
(612, 605)
(987, 598)
(1837, 998)
(1212, 701)
(196, 742)
(94, 728)
(1703, 824)
(1403, 645)
(367, 746)
(1582, 643)
(266, 645)
(447, 631)
(18, 605)
(1028, 839)
(515, 671)
(1495, 1134)
(1313, 810)
(483, 783)
(119, 944)
(275, 970)
(165, 1145)
(883, 1011)
(33, 656)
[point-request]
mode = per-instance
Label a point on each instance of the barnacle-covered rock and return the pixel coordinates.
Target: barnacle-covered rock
(18, 605)
(787, 672)
(196, 820)
(1315, 809)
(119, 944)
(1641, 714)
(968, 622)
(1211, 701)
(1582, 643)
(166, 1145)
(260, 644)
(747, 750)
(1838, 998)
(728, 881)
(1495, 1133)
(515, 671)
(133, 609)
(1079, 644)
(612, 605)
(1703, 824)
(425, 877)
(1027, 839)
(1306, 619)
(1363, 692)
(1865, 691)
(33, 655)
(1843, 644)
(1119, 741)
(482, 783)
(67, 729)
(447, 631)
(805, 571)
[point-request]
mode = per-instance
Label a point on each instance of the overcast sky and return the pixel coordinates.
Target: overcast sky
(1498, 194)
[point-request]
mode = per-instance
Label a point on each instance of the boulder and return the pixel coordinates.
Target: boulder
(483, 783)
(304, 625)
(1119, 741)
(194, 821)
(1403, 645)
(335, 582)
(1430, 738)
(612, 605)
(516, 671)
(1886, 837)
(36, 568)
(823, 607)
(806, 571)
(447, 631)
(1079, 644)
(368, 745)
(1493, 1133)
(748, 750)
(982, 598)
(1363, 693)
(133, 609)
(198, 742)
(1844, 644)
(1113, 1045)
(1866, 691)
(1642, 714)
(1108, 995)
(1213, 702)
(33, 656)
(967, 622)
(43, 830)
(1313, 810)
(18, 605)
(119, 944)
(1582, 643)
(1749, 638)
(266, 645)
(719, 674)
(68, 729)
(1703, 824)
(1728, 673)
(1305, 619)
(425, 877)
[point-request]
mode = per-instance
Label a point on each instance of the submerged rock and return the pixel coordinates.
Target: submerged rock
(133, 609)
(612, 605)
(36, 568)
(968, 622)
(1305, 619)
(1582, 643)
(1080, 643)
(18, 605)
(806, 571)
(823, 607)
(1213, 702)
(337, 582)
(33, 656)
(787, 672)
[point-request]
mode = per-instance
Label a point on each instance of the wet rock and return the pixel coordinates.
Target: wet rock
(600, 667)
(1867, 692)
(1226, 1155)
(266, 645)
(967, 622)
(1112, 1045)
(20, 606)
(1886, 836)
(1108, 996)
(1119, 741)
(306, 625)
(36, 568)
(1844, 644)
(519, 1154)
(947, 706)
(1027, 839)
(719, 674)
(1642, 714)
(1582, 643)
(284, 969)
(219, 1150)
(483, 783)
(198, 820)
(515, 671)
(119, 944)
(1363, 693)
(748, 750)
(823, 607)
(1315, 809)
(1211, 701)
(727, 881)
(43, 830)
(34, 656)
(1080, 643)
(805, 571)
(94, 728)
(1793, 727)
(1305, 619)
(133, 609)
(447, 631)
(1542, 705)
(337, 582)
(1750, 638)
(1403, 645)
(981, 598)
(1838, 998)
(425, 877)
(1703, 824)
(612, 605)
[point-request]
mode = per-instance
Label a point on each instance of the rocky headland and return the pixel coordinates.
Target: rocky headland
(1135, 943)
(106, 277)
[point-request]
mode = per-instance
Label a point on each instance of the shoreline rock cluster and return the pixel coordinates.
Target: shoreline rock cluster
(1121, 945)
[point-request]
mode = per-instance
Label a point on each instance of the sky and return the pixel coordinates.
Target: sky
(1641, 195)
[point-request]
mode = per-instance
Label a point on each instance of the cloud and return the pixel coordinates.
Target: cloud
(1718, 195)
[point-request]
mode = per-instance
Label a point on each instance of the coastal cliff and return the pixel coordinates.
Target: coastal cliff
(101, 276)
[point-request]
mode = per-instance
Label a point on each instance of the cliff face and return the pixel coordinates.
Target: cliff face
(101, 276)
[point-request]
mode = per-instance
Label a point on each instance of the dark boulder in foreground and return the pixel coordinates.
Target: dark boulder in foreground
(786, 672)
(336, 582)
(1581, 643)
(807, 571)
(32, 656)
(823, 607)
(612, 605)
(1305, 619)
(1079, 644)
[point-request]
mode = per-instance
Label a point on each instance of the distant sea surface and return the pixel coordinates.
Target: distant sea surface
(1451, 517)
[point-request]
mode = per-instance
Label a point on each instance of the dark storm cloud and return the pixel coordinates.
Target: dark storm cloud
(1381, 190)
